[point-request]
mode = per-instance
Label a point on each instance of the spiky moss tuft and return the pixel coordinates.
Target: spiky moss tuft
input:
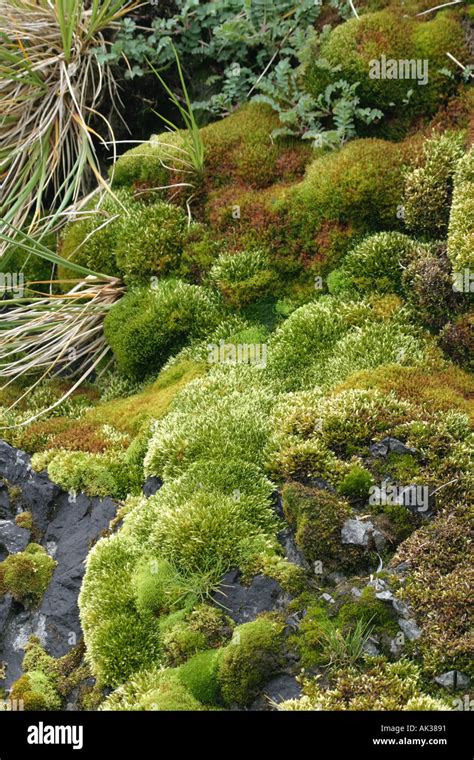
(457, 340)
(195, 428)
(461, 222)
(308, 336)
(113, 473)
(356, 485)
(374, 264)
(148, 325)
(152, 240)
(251, 658)
(91, 240)
(26, 575)
(356, 44)
(437, 587)
(119, 641)
(36, 692)
(428, 188)
(380, 685)
(322, 343)
(153, 689)
(312, 435)
(200, 675)
(317, 517)
(428, 284)
(243, 277)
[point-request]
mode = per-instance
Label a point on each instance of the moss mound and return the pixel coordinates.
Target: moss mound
(358, 49)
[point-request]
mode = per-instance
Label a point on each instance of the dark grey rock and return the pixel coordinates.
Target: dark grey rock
(37, 491)
(410, 629)
(401, 607)
(390, 446)
(152, 485)
(69, 525)
(356, 532)
(292, 552)
(13, 538)
(6, 604)
(5, 507)
(73, 531)
(321, 484)
(380, 540)
(292, 622)
(402, 568)
(245, 603)
(328, 598)
(279, 689)
(453, 679)
(371, 646)
(385, 596)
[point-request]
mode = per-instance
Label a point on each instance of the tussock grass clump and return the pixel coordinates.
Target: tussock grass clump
(52, 86)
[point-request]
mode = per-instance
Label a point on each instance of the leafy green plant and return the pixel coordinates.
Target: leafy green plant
(230, 44)
(301, 114)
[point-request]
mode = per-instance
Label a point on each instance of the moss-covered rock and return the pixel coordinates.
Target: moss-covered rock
(371, 611)
(238, 150)
(249, 660)
(357, 188)
(200, 675)
(203, 628)
(354, 48)
(26, 575)
(154, 690)
(147, 165)
(36, 692)
(317, 517)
